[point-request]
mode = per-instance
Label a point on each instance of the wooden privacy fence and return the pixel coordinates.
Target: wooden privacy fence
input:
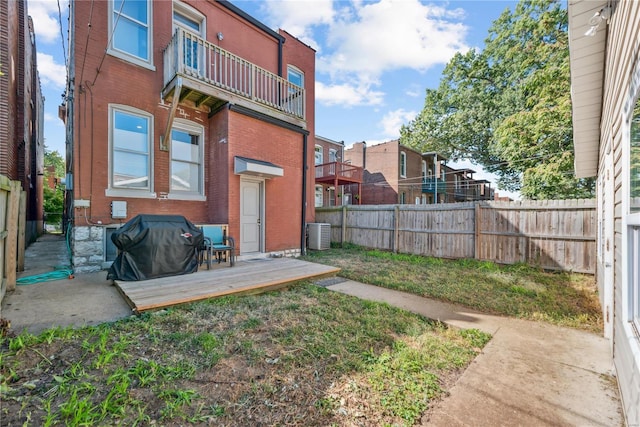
(552, 234)
(12, 232)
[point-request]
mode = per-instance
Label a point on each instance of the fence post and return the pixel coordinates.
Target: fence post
(11, 242)
(22, 219)
(396, 228)
(344, 225)
(477, 222)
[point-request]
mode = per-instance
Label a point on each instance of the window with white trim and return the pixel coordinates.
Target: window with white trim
(424, 171)
(296, 98)
(333, 155)
(633, 218)
(130, 31)
(319, 199)
(318, 155)
(131, 142)
(193, 22)
(403, 164)
(187, 175)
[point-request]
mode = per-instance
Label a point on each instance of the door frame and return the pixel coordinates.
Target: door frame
(261, 211)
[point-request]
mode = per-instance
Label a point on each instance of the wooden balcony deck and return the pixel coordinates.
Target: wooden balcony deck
(249, 276)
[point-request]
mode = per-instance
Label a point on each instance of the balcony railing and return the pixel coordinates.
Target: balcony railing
(191, 56)
(343, 172)
(430, 185)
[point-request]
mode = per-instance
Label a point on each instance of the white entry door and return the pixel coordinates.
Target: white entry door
(250, 216)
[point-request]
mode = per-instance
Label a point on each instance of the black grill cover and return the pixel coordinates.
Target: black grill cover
(153, 246)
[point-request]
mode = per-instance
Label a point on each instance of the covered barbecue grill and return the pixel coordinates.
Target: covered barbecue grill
(151, 246)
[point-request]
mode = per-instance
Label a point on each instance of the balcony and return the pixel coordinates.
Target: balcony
(207, 75)
(433, 185)
(338, 173)
(334, 174)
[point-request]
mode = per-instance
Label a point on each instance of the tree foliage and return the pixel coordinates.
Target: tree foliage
(53, 197)
(508, 107)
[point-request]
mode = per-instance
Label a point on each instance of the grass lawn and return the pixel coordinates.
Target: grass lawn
(303, 356)
(565, 299)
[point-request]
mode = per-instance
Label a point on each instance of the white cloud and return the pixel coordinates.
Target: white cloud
(393, 120)
(45, 19)
(299, 17)
(357, 41)
(51, 73)
(347, 95)
(394, 34)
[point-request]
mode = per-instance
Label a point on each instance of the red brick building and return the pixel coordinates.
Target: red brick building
(397, 174)
(193, 108)
(21, 110)
(337, 182)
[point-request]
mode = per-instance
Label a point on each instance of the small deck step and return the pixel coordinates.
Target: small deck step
(246, 277)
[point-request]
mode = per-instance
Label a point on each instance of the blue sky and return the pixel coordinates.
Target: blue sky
(374, 59)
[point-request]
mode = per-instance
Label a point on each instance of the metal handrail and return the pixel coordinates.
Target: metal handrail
(194, 57)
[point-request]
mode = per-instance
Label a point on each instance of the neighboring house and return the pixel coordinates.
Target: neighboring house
(605, 88)
(394, 173)
(187, 107)
(337, 183)
(21, 110)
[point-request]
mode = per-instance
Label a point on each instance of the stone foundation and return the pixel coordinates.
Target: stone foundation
(87, 248)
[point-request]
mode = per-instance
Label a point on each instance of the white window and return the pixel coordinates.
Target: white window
(187, 175)
(319, 196)
(633, 219)
(333, 155)
(193, 22)
(130, 136)
(318, 155)
(403, 164)
(295, 76)
(130, 31)
(295, 101)
(424, 170)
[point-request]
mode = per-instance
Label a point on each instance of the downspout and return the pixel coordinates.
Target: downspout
(303, 227)
(280, 43)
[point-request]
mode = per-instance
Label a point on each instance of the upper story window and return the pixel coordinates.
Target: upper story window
(187, 174)
(193, 22)
(130, 161)
(424, 169)
(295, 76)
(403, 164)
(333, 155)
(295, 102)
(318, 155)
(130, 31)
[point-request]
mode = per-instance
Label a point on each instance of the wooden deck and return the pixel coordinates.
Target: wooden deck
(251, 276)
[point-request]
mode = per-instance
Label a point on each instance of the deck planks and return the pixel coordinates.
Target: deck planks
(247, 276)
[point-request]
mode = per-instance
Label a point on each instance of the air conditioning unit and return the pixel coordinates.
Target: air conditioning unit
(319, 236)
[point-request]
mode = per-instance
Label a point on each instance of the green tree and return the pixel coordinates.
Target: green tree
(53, 197)
(508, 107)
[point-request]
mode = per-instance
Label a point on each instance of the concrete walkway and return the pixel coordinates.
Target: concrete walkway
(530, 374)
